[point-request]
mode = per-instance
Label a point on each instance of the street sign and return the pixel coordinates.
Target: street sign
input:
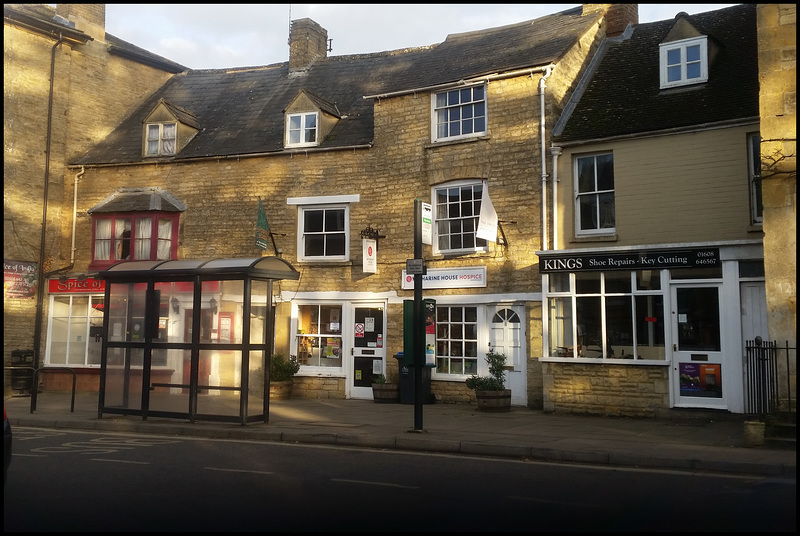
(415, 267)
(427, 224)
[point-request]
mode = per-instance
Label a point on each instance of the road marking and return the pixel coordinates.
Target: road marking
(369, 483)
(239, 471)
(118, 461)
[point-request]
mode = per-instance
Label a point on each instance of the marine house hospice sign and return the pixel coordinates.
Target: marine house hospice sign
(639, 260)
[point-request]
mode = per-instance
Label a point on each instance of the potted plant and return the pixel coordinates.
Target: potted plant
(490, 391)
(281, 372)
(384, 391)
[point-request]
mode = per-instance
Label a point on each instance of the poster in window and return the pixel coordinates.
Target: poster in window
(701, 380)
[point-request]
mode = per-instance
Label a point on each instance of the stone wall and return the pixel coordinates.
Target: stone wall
(606, 389)
(777, 62)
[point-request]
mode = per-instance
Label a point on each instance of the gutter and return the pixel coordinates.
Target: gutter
(37, 330)
(542, 87)
(448, 85)
(292, 153)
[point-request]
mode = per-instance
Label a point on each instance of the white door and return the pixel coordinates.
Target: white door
(368, 349)
(754, 312)
(506, 336)
(698, 362)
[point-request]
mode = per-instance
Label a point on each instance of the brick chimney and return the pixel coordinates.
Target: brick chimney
(617, 16)
(88, 18)
(307, 42)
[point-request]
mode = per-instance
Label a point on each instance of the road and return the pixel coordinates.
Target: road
(83, 481)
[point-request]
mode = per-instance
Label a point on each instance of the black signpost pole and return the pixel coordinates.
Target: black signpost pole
(419, 322)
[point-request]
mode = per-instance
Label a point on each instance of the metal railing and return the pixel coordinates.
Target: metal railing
(764, 376)
(34, 382)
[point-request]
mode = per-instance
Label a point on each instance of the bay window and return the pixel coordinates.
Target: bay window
(145, 236)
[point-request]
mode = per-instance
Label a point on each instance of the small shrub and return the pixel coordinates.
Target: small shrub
(378, 378)
(496, 380)
(282, 369)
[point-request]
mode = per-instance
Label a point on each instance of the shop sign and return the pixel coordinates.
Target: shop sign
(19, 279)
(639, 260)
(448, 278)
(88, 285)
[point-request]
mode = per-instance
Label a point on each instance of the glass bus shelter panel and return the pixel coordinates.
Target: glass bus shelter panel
(169, 382)
(123, 389)
(255, 387)
(258, 311)
(127, 310)
(174, 298)
(219, 383)
(224, 300)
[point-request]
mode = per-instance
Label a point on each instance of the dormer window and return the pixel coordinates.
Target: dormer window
(161, 139)
(458, 113)
(684, 62)
(301, 130)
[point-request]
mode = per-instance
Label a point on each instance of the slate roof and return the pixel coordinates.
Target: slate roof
(44, 16)
(138, 200)
(240, 111)
(622, 97)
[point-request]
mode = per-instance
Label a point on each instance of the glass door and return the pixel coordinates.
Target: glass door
(697, 340)
(368, 350)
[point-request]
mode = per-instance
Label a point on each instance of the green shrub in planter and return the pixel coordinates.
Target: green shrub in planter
(282, 369)
(497, 378)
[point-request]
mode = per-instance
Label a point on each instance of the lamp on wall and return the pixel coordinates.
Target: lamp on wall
(213, 303)
(176, 305)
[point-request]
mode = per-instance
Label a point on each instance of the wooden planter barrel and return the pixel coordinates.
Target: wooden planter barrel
(386, 393)
(494, 401)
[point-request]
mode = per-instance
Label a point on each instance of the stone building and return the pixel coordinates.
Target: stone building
(151, 162)
(777, 64)
(67, 84)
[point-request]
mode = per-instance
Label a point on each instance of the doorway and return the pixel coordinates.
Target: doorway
(506, 336)
(368, 347)
(700, 370)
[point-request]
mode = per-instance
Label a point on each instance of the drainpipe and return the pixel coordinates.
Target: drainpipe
(75, 213)
(556, 152)
(37, 330)
(542, 87)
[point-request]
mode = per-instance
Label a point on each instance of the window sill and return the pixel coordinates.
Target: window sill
(595, 238)
(601, 361)
(316, 262)
(446, 143)
(755, 228)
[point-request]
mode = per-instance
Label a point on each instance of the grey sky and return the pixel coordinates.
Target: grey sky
(214, 36)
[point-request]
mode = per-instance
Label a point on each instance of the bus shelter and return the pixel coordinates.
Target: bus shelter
(189, 338)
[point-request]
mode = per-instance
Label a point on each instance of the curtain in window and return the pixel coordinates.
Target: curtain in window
(102, 240)
(169, 138)
(164, 239)
(144, 231)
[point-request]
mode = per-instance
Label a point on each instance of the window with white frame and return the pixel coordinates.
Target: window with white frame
(161, 139)
(456, 340)
(683, 62)
(301, 129)
(594, 194)
(75, 330)
(613, 315)
(132, 236)
(319, 335)
(457, 207)
(459, 113)
(323, 233)
(754, 176)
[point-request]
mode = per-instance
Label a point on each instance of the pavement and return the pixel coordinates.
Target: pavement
(697, 441)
